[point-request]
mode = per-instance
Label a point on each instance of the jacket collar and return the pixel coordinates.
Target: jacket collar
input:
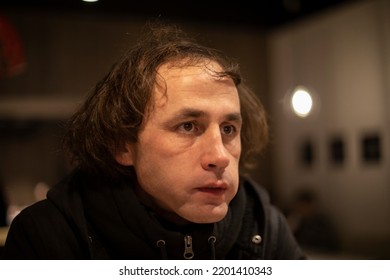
(127, 229)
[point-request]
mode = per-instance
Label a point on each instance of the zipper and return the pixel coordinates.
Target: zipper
(188, 252)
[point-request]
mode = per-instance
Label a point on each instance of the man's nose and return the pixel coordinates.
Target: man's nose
(215, 157)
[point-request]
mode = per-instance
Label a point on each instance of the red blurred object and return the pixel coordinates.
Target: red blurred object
(12, 59)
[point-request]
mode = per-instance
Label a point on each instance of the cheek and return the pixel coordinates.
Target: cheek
(151, 143)
(234, 148)
(155, 159)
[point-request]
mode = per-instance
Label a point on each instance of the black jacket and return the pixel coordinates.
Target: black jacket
(89, 218)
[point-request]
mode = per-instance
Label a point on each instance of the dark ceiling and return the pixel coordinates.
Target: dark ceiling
(263, 13)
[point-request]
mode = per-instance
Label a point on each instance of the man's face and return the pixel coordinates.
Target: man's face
(187, 155)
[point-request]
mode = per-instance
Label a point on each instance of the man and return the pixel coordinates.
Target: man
(161, 147)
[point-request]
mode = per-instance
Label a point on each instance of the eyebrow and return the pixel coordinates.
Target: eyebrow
(194, 113)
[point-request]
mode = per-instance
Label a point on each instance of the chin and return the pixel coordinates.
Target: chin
(208, 218)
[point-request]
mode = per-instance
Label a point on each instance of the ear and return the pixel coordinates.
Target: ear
(126, 155)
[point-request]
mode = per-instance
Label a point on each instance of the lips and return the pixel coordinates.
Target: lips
(217, 188)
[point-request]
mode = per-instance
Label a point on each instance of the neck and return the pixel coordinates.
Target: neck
(165, 214)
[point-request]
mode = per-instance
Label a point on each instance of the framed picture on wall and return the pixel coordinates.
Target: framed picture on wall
(371, 148)
(336, 150)
(306, 152)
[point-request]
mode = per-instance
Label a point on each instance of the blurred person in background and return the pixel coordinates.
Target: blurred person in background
(313, 229)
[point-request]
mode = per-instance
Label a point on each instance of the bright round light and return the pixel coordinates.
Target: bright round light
(301, 102)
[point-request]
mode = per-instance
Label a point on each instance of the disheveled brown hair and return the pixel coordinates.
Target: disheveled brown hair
(115, 109)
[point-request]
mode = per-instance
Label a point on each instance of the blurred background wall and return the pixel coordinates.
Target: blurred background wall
(341, 150)
(341, 54)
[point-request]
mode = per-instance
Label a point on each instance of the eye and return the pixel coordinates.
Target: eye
(228, 129)
(187, 127)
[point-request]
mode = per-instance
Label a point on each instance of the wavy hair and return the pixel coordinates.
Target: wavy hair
(114, 110)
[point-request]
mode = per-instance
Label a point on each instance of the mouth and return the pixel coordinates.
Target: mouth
(216, 189)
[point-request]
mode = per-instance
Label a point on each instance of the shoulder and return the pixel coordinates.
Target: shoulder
(29, 231)
(41, 231)
(258, 197)
(256, 193)
(277, 240)
(48, 217)
(37, 216)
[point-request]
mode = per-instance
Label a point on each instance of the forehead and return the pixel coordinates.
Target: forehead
(189, 78)
(192, 88)
(195, 86)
